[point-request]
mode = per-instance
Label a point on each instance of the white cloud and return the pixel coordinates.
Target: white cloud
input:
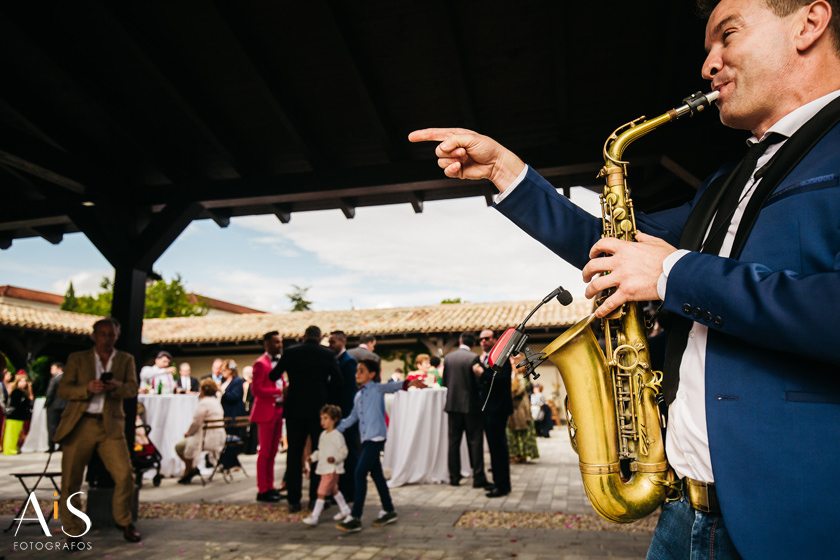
(85, 282)
(457, 248)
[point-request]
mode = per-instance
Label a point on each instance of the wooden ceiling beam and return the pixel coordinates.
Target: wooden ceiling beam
(157, 62)
(16, 27)
(284, 108)
(372, 100)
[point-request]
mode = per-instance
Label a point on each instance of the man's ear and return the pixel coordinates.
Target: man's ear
(813, 24)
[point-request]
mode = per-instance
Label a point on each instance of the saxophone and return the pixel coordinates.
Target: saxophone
(612, 403)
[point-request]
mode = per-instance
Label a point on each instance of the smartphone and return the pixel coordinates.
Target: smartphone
(107, 376)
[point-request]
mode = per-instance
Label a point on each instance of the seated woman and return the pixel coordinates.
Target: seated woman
(187, 449)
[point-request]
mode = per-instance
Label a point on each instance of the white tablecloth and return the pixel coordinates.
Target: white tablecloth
(169, 417)
(38, 439)
(417, 444)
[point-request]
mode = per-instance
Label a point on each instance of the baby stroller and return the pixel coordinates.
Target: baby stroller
(145, 455)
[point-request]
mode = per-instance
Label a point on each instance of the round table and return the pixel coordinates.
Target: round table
(416, 450)
(169, 416)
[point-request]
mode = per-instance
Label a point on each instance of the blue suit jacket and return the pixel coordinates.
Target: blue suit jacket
(772, 373)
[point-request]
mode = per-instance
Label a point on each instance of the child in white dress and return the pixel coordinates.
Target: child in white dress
(330, 455)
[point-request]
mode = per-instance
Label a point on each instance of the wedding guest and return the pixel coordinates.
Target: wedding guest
(160, 377)
(330, 455)
(233, 403)
(186, 382)
(369, 413)
(436, 370)
(195, 439)
(521, 434)
(251, 436)
(18, 411)
(53, 404)
(267, 415)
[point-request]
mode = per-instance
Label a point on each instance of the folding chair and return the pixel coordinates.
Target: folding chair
(232, 442)
(211, 424)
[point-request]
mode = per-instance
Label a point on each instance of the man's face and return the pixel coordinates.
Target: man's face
(336, 344)
(274, 345)
(751, 54)
(54, 370)
(216, 368)
(162, 362)
(185, 370)
(104, 338)
(487, 340)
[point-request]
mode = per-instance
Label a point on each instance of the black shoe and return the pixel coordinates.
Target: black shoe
(294, 508)
(187, 478)
(268, 496)
(454, 482)
(276, 492)
(480, 483)
(497, 493)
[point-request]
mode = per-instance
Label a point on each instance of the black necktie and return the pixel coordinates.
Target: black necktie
(734, 193)
(732, 197)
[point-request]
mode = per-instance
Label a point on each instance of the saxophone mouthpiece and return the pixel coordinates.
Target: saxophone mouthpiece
(696, 103)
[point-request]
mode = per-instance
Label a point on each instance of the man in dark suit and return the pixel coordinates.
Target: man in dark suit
(464, 411)
(494, 395)
(347, 365)
(94, 422)
(186, 383)
(365, 351)
(747, 274)
(313, 374)
(53, 403)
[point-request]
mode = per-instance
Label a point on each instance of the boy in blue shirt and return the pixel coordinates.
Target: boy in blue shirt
(369, 412)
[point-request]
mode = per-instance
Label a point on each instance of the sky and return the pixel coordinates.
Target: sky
(386, 256)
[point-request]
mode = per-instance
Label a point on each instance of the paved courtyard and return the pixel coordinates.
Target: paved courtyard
(426, 527)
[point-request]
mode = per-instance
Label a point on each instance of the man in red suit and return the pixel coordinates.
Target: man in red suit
(267, 413)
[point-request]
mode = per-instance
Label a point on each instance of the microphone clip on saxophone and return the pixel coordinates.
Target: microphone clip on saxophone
(514, 340)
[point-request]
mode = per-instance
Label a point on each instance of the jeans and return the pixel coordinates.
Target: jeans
(684, 533)
(369, 463)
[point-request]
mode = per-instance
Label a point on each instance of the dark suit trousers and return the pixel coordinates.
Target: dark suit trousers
(495, 427)
(297, 429)
(347, 481)
(473, 424)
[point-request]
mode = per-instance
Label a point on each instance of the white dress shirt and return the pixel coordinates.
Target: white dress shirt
(97, 401)
(687, 443)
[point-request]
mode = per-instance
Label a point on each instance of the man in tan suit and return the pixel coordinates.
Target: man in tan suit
(94, 421)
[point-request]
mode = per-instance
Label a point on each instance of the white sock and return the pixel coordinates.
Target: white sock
(342, 504)
(319, 507)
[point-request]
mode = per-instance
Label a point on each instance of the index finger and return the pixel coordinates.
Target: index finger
(434, 134)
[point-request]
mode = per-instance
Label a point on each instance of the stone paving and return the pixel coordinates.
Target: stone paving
(426, 527)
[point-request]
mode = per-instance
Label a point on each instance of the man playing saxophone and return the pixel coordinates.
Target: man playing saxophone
(751, 378)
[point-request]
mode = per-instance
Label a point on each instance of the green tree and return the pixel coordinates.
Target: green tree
(451, 300)
(99, 304)
(163, 299)
(298, 299)
(170, 299)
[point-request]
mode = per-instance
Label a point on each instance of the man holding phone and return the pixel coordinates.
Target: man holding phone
(94, 384)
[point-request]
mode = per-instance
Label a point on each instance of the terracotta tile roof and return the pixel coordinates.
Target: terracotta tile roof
(381, 322)
(250, 327)
(48, 320)
(30, 295)
(223, 305)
